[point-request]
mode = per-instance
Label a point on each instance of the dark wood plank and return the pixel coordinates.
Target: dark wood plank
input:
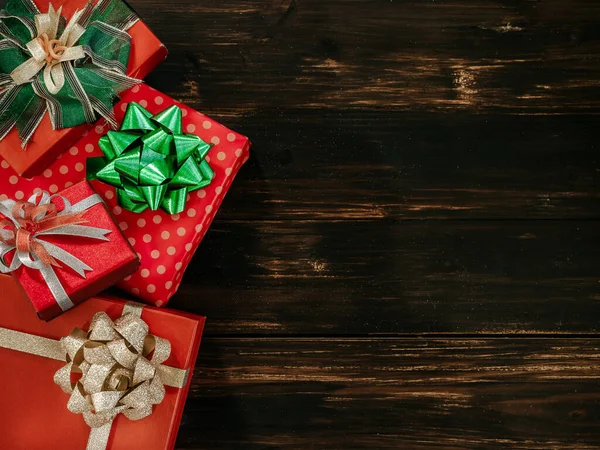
(336, 278)
(370, 109)
(394, 393)
(383, 165)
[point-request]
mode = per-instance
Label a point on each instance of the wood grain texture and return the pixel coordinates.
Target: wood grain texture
(394, 393)
(294, 278)
(404, 109)
(410, 257)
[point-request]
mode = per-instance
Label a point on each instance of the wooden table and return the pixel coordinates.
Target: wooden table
(410, 259)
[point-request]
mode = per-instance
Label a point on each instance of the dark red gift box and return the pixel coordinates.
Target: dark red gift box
(111, 260)
(36, 415)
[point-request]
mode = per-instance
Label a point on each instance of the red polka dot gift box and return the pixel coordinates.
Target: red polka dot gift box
(163, 175)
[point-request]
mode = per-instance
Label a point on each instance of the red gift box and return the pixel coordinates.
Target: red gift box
(110, 260)
(164, 243)
(47, 144)
(38, 419)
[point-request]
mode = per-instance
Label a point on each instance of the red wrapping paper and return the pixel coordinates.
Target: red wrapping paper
(164, 243)
(47, 144)
(38, 419)
(111, 260)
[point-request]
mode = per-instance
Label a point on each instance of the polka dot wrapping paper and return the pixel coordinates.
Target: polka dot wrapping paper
(165, 243)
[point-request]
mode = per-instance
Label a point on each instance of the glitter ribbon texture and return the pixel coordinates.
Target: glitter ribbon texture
(119, 365)
(71, 69)
(24, 227)
(152, 163)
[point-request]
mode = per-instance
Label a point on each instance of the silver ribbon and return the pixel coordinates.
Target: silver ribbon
(32, 260)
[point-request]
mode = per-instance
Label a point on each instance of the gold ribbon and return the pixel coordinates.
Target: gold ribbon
(119, 365)
(48, 51)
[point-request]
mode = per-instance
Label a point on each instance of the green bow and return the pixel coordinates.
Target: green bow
(72, 69)
(151, 161)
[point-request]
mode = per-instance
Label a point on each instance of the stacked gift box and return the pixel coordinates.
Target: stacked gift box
(104, 182)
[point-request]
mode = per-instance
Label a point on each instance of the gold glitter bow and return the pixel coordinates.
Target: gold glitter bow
(119, 365)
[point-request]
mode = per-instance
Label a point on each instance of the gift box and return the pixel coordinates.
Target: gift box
(46, 144)
(70, 247)
(38, 418)
(164, 242)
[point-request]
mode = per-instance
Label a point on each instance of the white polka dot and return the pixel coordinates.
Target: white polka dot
(19, 195)
(161, 270)
(64, 170)
(159, 100)
(178, 266)
(228, 171)
(219, 189)
(147, 238)
(74, 151)
(207, 158)
(159, 303)
(123, 226)
(198, 228)
(201, 193)
(178, 276)
(168, 284)
(79, 167)
(109, 195)
(176, 217)
(208, 209)
(191, 212)
(127, 278)
(141, 223)
(144, 103)
(151, 288)
(131, 240)
(145, 273)
(89, 148)
(13, 179)
(155, 254)
(136, 88)
(3, 197)
(181, 231)
(53, 189)
(231, 137)
(191, 128)
(124, 107)
(171, 250)
(206, 124)
(68, 184)
(157, 219)
(47, 173)
(99, 129)
(4, 164)
(221, 156)
(139, 256)
(184, 112)
(165, 235)
(117, 210)
(188, 247)
(135, 291)
(238, 152)
(37, 190)
(215, 140)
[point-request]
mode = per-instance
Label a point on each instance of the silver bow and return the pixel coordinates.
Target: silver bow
(30, 259)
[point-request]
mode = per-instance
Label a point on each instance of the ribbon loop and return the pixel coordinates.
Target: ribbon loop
(25, 224)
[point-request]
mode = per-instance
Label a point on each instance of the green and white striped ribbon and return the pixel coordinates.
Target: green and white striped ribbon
(91, 82)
